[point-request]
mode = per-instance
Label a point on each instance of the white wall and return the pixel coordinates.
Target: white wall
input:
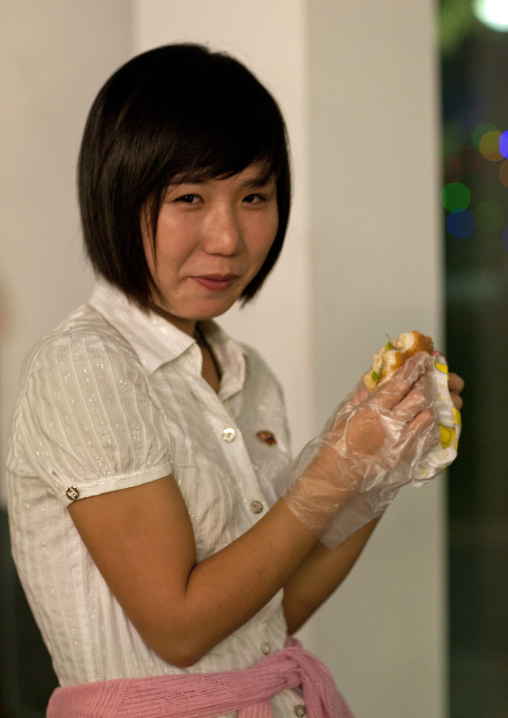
(376, 268)
(356, 83)
(53, 57)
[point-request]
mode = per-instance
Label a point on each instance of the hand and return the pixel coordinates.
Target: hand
(386, 431)
(372, 445)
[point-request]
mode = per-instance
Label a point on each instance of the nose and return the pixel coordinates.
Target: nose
(222, 231)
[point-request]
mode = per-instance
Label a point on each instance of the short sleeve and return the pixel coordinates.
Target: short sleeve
(87, 422)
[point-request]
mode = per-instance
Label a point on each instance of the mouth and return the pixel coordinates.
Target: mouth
(215, 282)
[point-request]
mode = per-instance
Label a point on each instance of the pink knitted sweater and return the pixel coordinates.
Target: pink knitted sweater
(207, 695)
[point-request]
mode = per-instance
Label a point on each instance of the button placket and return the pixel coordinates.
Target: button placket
(228, 434)
(240, 463)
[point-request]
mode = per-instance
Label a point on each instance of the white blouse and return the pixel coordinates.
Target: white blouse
(114, 398)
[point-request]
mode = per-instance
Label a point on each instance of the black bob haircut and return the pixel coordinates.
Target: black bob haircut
(178, 111)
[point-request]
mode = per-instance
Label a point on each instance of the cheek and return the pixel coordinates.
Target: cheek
(160, 255)
(266, 236)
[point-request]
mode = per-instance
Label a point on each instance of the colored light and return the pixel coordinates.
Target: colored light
(503, 144)
(489, 146)
(455, 197)
(489, 216)
(493, 13)
(480, 130)
(461, 224)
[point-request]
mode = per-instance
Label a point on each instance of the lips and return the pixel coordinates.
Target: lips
(215, 282)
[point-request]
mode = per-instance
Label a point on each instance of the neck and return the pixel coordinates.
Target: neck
(211, 370)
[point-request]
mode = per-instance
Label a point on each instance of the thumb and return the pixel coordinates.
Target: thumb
(395, 389)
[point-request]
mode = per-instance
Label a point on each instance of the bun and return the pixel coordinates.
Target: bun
(393, 355)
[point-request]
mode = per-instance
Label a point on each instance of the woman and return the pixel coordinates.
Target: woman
(159, 528)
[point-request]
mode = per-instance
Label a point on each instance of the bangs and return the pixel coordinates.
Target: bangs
(212, 172)
(213, 127)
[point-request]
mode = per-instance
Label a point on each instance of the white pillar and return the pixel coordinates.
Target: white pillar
(376, 268)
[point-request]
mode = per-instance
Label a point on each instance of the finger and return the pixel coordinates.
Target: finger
(417, 400)
(457, 400)
(419, 436)
(398, 386)
(425, 426)
(355, 397)
(455, 383)
(358, 394)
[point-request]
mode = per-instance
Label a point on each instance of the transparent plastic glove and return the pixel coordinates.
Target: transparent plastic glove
(368, 505)
(371, 446)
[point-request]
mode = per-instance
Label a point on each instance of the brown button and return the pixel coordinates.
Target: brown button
(300, 710)
(228, 435)
(256, 506)
(265, 648)
(266, 437)
(72, 493)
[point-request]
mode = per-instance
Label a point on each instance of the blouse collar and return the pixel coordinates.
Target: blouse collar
(156, 341)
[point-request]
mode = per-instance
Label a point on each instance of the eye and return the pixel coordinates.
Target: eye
(188, 199)
(255, 198)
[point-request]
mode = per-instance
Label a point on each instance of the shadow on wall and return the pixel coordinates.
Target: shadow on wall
(27, 678)
(26, 675)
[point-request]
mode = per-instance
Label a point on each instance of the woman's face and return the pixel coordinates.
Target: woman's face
(212, 239)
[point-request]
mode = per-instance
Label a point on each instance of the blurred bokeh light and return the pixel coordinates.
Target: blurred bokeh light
(492, 13)
(461, 225)
(455, 196)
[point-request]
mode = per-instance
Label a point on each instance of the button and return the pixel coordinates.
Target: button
(228, 435)
(300, 710)
(72, 493)
(265, 648)
(256, 506)
(266, 437)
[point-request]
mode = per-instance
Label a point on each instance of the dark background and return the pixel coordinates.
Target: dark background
(474, 64)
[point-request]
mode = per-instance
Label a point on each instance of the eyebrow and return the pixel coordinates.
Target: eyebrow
(258, 182)
(255, 182)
